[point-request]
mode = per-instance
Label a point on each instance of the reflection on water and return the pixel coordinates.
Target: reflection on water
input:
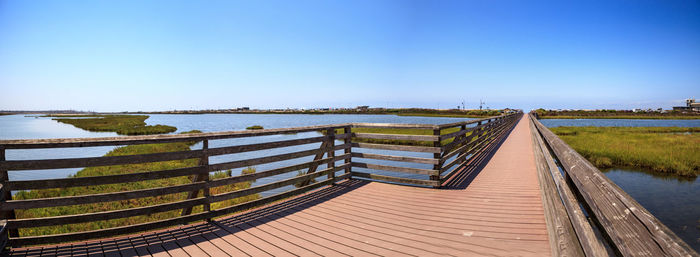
(675, 200)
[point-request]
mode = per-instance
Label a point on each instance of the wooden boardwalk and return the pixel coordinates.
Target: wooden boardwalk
(492, 208)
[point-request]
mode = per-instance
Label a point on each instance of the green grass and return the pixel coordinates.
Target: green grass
(630, 117)
(304, 183)
(662, 149)
(254, 127)
(615, 114)
(400, 132)
(122, 124)
(126, 204)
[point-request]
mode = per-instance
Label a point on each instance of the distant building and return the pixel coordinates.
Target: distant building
(690, 105)
(363, 108)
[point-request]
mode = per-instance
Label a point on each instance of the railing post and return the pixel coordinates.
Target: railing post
(348, 150)
(203, 161)
(6, 195)
(331, 153)
(462, 156)
(437, 156)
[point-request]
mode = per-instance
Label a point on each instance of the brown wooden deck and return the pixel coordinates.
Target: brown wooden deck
(493, 208)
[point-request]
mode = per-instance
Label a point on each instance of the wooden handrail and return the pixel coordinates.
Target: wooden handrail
(466, 140)
(629, 228)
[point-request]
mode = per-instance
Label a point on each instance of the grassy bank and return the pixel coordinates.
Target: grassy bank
(630, 117)
(126, 204)
(615, 114)
(662, 149)
(122, 124)
(421, 132)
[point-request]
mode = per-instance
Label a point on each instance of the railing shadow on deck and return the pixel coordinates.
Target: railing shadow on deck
(476, 163)
(404, 160)
(188, 235)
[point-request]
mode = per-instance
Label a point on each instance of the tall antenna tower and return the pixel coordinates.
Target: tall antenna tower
(481, 104)
(463, 107)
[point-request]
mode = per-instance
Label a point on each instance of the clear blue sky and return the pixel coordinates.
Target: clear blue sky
(164, 55)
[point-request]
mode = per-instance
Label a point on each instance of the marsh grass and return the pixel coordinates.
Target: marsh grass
(254, 127)
(304, 183)
(421, 132)
(120, 187)
(614, 114)
(122, 124)
(662, 149)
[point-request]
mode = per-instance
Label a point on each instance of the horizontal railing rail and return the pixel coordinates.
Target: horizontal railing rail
(616, 224)
(413, 154)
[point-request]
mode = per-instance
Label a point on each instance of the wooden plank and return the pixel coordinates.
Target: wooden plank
(273, 185)
(393, 126)
(394, 168)
(356, 174)
(264, 146)
(88, 217)
(348, 151)
(406, 148)
(461, 132)
(460, 123)
(331, 153)
(435, 176)
(396, 137)
(276, 197)
(477, 132)
(101, 180)
(97, 198)
(266, 159)
(632, 229)
(562, 237)
(98, 161)
(590, 244)
(3, 234)
(202, 177)
(6, 214)
(273, 172)
(108, 232)
(319, 156)
(151, 139)
(394, 158)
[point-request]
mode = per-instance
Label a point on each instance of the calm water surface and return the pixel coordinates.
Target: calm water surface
(672, 199)
(34, 127)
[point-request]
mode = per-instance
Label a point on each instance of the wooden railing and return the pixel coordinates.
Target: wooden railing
(448, 148)
(615, 223)
(336, 147)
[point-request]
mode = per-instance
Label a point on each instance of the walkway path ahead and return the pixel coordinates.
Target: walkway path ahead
(495, 211)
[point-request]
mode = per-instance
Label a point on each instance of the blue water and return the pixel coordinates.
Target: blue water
(33, 127)
(674, 200)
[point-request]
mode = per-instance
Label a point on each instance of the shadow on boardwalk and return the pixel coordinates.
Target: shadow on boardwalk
(475, 165)
(271, 230)
(175, 240)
